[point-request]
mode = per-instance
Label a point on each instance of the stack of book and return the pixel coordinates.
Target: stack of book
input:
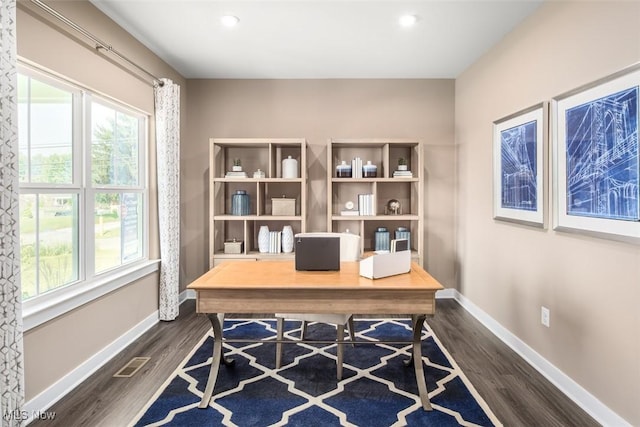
(366, 204)
(275, 242)
(402, 174)
(231, 174)
(356, 168)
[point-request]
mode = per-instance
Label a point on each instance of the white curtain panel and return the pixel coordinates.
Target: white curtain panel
(167, 117)
(11, 344)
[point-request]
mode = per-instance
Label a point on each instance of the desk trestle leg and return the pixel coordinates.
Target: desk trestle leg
(280, 328)
(216, 323)
(416, 358)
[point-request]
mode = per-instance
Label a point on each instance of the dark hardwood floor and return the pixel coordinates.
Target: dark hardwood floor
(517, 393)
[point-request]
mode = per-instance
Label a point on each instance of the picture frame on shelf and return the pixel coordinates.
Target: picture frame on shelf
(596, 178)
(519, 147)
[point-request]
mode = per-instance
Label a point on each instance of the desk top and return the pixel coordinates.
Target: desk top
(282, 274)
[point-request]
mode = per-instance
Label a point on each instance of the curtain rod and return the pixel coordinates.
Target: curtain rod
(99, 43)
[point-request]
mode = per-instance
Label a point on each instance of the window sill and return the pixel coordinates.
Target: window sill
(64, 300)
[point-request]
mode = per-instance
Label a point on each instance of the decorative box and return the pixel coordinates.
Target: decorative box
(233, 247)
(384, 265)
(283, 206)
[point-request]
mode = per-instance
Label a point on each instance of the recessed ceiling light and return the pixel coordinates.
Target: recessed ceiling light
(408, 20)
(229, 20)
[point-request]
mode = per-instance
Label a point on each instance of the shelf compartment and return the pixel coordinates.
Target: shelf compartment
(252, 159)
(369, 229)
(274, 224)
(279, 152)
(410, 152)
(227, 231)
(406, 193)
(347, 152)
(275, 190)
(343, 193)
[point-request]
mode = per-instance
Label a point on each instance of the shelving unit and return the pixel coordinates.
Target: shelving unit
(408, 191)
(265, 154)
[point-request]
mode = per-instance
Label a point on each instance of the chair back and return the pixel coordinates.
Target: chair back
(349, 244)
(349, 247)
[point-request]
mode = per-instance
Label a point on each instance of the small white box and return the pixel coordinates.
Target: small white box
(234, 247)
(387, 264)
(283, 206)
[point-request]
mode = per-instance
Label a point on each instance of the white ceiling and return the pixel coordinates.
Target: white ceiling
(318, 38)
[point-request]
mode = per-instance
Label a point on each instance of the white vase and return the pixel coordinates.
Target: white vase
(287, 239)
(289, 168)
(263, 239)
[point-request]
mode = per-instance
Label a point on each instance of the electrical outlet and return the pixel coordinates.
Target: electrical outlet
(544, 316)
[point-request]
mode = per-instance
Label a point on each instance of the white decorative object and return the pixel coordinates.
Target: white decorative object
(349, 209)
(384, 265)
(287, 239)
(167, 103)
(259, 174)
(275, 242)
(263, 239)
(343, 170)
(369, 170)
(289, 168)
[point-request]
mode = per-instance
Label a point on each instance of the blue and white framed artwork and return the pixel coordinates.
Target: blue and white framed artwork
(596, 159)
(519, 142)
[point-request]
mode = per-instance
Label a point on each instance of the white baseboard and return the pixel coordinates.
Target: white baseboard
(446, 293)
(58, 390)
(589, 403)
(187, 294)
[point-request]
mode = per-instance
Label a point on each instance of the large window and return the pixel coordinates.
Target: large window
(83, 191)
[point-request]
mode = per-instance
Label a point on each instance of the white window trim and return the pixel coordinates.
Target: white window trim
(52, 304)
(91, 189)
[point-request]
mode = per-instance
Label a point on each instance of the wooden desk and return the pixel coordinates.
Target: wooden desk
(276, 287)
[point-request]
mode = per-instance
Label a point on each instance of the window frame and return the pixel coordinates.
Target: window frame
(76, 134)
(91, 190)
(90, 285)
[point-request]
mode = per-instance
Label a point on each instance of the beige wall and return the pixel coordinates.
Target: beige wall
(60, 346)
(318, 110)
(591, 285)
(54, 349)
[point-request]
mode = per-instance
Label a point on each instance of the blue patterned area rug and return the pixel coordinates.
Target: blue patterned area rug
(377, 389)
